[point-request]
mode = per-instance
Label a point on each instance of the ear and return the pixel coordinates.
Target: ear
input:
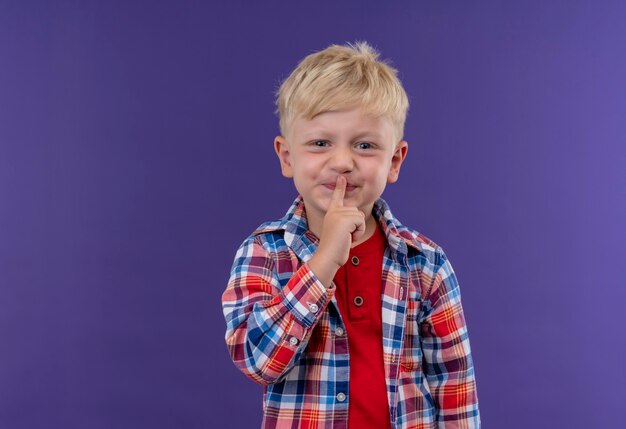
(284, 155)
(396, 161)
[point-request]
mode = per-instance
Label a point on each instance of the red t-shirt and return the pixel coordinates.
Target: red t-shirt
(358, 294)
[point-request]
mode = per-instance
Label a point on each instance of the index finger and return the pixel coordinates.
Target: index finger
(339, 192)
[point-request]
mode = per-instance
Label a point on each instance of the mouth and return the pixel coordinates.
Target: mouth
(332, 186)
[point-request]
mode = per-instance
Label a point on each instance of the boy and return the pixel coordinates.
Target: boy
(346, 317)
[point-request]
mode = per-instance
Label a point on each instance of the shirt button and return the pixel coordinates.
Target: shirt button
(339, 332)
(293, 341)
(358, 301)
(313, 308)
(354, 260)
(341, 396)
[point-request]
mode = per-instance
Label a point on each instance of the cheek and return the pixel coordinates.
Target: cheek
(309, 169)
(305, 175)
(379, 172)
(381, 178)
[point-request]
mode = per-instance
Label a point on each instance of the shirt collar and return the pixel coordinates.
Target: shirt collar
(304, 242)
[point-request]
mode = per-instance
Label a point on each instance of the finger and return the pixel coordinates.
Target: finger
(360, 224)
(359, 230)
(358, 221)
(339, 192)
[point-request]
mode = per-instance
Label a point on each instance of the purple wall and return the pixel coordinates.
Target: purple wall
(136, 155)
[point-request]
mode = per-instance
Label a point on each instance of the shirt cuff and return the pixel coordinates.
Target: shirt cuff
(305, 296)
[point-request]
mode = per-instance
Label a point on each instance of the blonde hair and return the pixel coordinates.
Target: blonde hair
(342, 77)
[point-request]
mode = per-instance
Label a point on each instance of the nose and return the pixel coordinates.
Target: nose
(341, 160)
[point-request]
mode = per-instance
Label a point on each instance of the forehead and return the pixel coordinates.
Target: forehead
(339, 123)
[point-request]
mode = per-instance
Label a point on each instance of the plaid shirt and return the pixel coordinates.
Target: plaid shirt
(281, 330)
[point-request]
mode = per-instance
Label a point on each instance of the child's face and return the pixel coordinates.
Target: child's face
(360, 147)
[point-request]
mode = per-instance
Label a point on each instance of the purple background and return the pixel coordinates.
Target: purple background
(136, 155)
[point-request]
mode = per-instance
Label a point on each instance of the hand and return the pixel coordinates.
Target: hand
(340, 228)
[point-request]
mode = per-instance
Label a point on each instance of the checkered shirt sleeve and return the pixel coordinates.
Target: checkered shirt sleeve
(268, 327)
(448, 365)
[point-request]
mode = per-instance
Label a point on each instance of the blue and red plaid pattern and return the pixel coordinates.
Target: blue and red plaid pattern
(281, 324)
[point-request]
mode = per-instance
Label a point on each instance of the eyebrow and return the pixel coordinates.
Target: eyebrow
(326, 134)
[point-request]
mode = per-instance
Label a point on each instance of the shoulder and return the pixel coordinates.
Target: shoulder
(415, 241)
(269, 235)
(429, 267)
(423, 253)
(427, 254)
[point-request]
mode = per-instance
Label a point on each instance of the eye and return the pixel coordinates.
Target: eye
(364, 145)
(319, 143)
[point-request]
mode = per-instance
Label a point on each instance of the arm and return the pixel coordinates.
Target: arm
(448, 364)
(267, 328)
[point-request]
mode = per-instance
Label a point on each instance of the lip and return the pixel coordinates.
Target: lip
(349, 187)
